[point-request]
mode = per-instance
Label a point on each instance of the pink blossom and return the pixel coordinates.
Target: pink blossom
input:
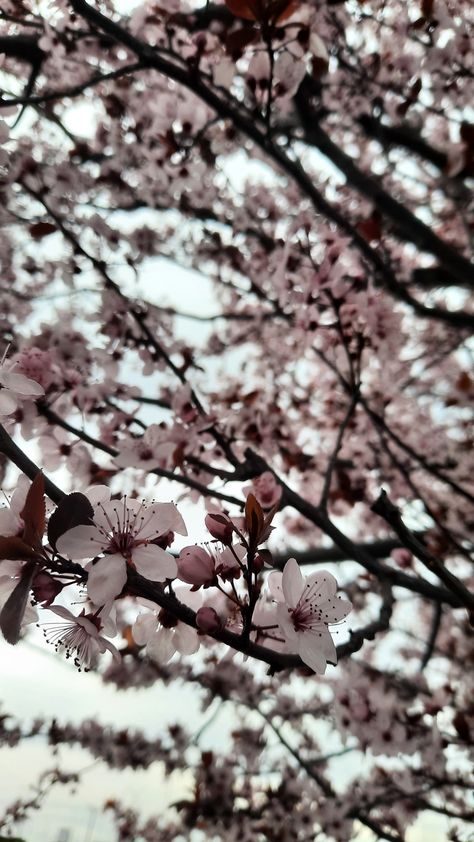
(207, 620)
(220, 527)
(305, 608)
(15, 388)
(266, 490)
(196, 567)
(163, 634)
(127, 532)
(79, 636)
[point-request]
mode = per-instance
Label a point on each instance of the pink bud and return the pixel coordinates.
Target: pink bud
(196, 567)
(402, 556)
(259, 562)
(207, 620)
(266, 489)
(220, 527)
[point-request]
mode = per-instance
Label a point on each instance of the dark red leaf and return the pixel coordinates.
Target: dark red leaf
(237, 40)
(13, 547)
(34, 513)
(12, 613)
(42, 229)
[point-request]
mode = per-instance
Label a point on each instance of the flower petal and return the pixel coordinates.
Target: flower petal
(310, 652)
(185, 639)
(292, 582)
(286, 625)
(161, 646)
(274, 585)
(154, 563)
(21, 385)
(335, 610)
(81, 542)
(161, 518)
(106, 579)
(8, 402)
(322, 585)
(144, 628)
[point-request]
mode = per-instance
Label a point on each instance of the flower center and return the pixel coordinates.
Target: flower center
(122, 542)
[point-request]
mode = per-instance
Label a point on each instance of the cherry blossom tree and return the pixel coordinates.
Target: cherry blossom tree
(313, 162)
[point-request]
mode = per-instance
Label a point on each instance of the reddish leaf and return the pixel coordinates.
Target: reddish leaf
(42, 229)
(237, 40)
(370, 228)
(427, 8)
(264, 11)
(73, 510)
(254, 519)
(13, 547)
(34, 513)
(12, 613)
(241, 9)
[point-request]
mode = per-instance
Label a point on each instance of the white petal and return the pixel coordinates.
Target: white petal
(62, 612)
(106, 644)
(111, 515)
(335, 610)
(161, 646)
(328, 647)
(322, 584)
(286, 625)
(154, 563)
(106, 579)
(292, 582)
(81, 542)
(310, 652)
(143, 628)
(186, 639)
(21, 385)
(162, 518)
(98, 494)
(274, 585)
(193, 599)
(8, 402)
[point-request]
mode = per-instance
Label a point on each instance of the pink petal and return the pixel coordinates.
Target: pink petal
(106, 579)
(323, 585)
(144, 628)
(21, 385)
(335, 609)
(81, 542)
(274, 585)
(161, 646)
(286, 625)
(110, 515)
(328, 647)
(185, 639)
(154, 563)
(98, 494)
(310, 652)
(8, 402)
(106, 644)
(292, 582)
(162, 518)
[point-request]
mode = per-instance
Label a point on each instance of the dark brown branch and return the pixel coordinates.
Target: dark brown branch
(389, 512)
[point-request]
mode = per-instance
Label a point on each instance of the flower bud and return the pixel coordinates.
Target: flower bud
(402, 556)
(220, 527)
(207, 620)
(196, 567)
